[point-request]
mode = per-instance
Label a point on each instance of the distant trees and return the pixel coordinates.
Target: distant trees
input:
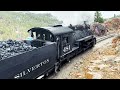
(114, 15)
(98, 17)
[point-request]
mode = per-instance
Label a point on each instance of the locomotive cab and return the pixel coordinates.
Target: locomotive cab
(39, 37)
(59, 34)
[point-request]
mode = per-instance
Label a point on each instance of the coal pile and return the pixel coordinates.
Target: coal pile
(12, 47)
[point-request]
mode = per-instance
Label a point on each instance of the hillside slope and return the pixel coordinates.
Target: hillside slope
(14, 25)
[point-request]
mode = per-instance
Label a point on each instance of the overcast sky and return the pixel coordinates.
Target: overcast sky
(105, 14)
(75, 17)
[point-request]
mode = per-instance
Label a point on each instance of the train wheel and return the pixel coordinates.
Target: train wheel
(94, 42)
(57, 67)
(84, 49)
(68, 59)
(47, 74)
(56, 70)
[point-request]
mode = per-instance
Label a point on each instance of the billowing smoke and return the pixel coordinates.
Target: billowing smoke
(74, 17)
(85, 16)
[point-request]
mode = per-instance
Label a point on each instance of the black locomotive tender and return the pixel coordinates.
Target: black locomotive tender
(54, 45)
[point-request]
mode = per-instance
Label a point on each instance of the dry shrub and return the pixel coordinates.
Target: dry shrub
(88, 75)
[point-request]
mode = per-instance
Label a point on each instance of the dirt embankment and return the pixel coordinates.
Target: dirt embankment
(102, 63)
(113, 25)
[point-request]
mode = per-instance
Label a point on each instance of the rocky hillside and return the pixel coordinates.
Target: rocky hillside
(113, 25)
(101, 63)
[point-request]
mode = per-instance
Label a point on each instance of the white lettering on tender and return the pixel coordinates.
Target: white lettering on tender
(23, 73)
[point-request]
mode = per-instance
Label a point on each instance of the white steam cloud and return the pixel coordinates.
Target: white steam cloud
(74, 17)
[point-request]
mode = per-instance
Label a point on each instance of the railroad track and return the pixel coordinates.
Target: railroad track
(98, 40)
(105, 37)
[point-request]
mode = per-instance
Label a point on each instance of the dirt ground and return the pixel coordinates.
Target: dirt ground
(101, 62)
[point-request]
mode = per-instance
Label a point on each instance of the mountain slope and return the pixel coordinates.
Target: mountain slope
(14, 25)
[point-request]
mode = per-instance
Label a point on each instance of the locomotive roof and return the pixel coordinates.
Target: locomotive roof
(53, 30)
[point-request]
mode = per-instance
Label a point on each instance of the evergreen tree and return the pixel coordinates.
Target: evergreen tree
(114, 15)
(98, 17)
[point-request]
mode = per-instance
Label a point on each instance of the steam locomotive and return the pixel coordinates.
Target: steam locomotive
(54, 45)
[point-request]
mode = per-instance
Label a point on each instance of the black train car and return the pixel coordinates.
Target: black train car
(30, 64)
(69, 41)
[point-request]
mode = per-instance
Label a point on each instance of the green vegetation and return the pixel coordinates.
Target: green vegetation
(14, 25)
(98, 17)
(115, 16)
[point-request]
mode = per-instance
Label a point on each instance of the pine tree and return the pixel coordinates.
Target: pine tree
(98, 17)
(114, 15)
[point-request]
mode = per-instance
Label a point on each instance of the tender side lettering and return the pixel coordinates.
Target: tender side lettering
(23, 73)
